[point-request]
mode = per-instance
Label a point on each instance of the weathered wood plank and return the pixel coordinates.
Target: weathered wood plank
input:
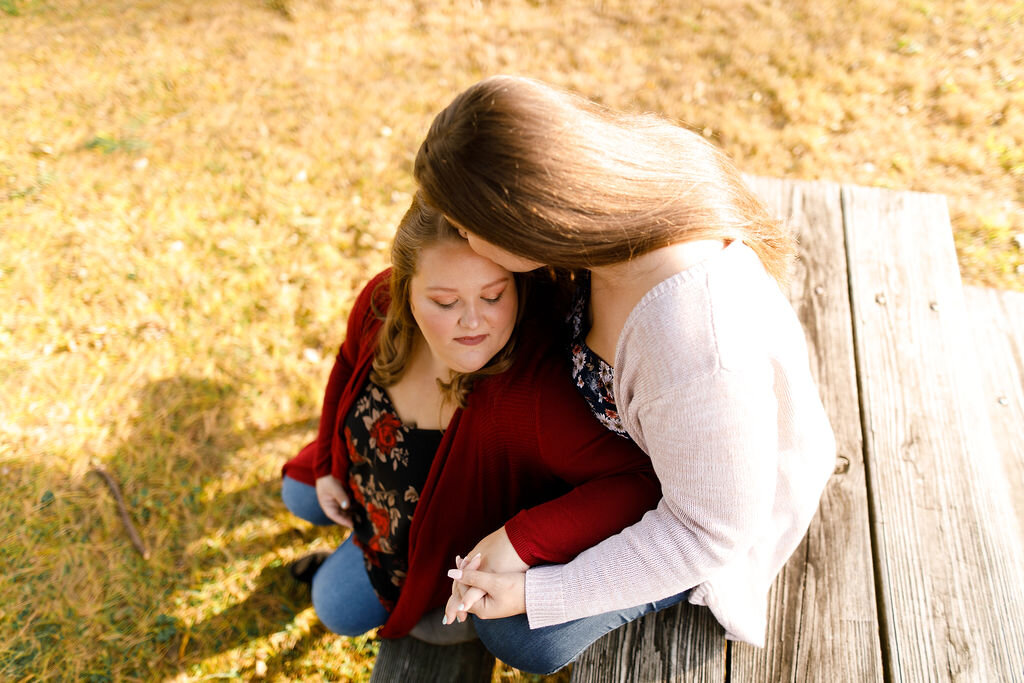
(822, 617)
(949, 575)
(997, 318)
(412, 661)
(681, 643)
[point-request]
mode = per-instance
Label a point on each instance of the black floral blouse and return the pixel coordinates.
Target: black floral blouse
(389, 463)
(594, 377)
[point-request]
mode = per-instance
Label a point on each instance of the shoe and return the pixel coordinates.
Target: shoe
(304, 569)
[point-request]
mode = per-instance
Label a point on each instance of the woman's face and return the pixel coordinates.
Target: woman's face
(465, 305)
(505, 259)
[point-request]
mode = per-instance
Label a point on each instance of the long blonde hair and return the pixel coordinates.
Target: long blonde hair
(421, 228)
(558, 179)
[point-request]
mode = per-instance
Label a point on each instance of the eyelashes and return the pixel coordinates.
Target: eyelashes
(451, 304)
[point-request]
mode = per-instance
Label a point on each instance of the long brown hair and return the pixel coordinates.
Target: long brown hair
(558, 179)
(421, 228)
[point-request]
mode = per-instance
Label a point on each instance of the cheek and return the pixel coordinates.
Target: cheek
(505, 315)
(433, 324)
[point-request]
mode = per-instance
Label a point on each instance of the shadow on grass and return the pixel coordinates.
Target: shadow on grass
(206, 547)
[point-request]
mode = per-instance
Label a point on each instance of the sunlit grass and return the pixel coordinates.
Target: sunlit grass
(191, 193)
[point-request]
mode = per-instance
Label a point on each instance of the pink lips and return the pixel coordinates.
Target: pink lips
(471, 341)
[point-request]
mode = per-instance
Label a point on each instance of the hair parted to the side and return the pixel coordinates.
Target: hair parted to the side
(421, 228)
(555, 178)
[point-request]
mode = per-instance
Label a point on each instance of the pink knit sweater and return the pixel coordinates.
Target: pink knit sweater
(712, 380)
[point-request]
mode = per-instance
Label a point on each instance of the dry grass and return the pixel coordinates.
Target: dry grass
(190, 192)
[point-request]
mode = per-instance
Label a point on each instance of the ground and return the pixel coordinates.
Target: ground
(191, 192)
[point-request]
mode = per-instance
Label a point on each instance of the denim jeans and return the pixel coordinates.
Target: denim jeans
(546, 650)
(343, 597)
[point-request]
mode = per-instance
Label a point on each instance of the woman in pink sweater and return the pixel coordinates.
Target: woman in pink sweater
(682, 340)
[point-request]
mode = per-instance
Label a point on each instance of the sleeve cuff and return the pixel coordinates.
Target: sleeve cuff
(517, 536)
(545, 605)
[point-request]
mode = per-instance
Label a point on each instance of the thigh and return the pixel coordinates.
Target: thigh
(301, 501)
(546, 650)
(343, 596)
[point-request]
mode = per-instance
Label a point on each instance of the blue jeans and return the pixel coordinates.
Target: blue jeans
(343, 597)
(546, 650)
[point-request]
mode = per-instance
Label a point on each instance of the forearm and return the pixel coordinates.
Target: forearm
(329, 415)
(713, 446)
(644, 563)
(557, 531)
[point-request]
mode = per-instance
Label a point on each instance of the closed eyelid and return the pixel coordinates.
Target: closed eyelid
(494, 291)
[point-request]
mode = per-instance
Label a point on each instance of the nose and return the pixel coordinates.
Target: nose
(470, 317)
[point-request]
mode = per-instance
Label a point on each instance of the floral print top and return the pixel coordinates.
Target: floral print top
(594, 377)
(388, 465)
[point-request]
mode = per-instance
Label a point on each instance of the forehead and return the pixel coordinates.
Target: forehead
(454, 265)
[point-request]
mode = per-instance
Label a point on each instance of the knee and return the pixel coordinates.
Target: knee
(301, 501)
(512, 641)
(334, 614)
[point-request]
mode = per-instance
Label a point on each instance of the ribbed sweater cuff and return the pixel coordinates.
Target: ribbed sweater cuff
(518, 538)
(545, 605)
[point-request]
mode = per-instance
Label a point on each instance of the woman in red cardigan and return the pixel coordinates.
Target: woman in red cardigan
(446, 419)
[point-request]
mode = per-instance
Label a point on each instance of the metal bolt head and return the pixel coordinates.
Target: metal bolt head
(1003, 401)
(934, 305)
(819, 290)
(880, 299)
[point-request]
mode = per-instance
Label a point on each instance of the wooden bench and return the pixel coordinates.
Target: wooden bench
(913, 568)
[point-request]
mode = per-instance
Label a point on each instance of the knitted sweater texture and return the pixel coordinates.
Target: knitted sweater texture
(712, 381)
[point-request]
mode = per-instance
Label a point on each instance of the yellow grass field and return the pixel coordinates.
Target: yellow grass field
(191, 192)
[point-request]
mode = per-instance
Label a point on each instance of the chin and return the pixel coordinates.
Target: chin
(465, 369)
(469, 365)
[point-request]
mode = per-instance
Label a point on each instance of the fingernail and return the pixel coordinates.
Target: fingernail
(444, 620)
(455, 574)
(462, 607)
(344, 505)
(475, 556)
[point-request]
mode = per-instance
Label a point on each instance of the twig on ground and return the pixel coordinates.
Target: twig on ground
(123, 509)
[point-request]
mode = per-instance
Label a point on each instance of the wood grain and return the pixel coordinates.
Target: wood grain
(822, 617)
(408, 660)
(681, 643)
(997, 319)
(949, 576)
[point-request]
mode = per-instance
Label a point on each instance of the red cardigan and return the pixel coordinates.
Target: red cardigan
(524, 452)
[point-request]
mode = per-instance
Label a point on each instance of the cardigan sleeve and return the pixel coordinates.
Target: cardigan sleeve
(614, 483)
(344, 364)
(713, 444)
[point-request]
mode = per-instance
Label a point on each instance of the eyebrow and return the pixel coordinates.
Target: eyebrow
(451, 289)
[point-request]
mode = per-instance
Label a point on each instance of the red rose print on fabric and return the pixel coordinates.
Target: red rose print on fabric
(353, 453)
(380, 519)
(355, 485)
(385, 432)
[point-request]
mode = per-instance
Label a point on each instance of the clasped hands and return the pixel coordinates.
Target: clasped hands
(489, 582)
